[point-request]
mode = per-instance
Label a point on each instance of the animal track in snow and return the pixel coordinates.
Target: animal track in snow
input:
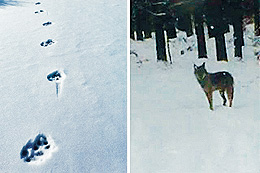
(37, 12)
(47, 23)
(58, 77)
(47, 43)
(37, 3)
(39, 150)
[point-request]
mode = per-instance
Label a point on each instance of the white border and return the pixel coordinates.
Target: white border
(128, 86)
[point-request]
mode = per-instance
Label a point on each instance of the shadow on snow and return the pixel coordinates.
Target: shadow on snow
(8, 3)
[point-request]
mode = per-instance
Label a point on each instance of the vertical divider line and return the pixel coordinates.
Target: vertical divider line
(128, 86)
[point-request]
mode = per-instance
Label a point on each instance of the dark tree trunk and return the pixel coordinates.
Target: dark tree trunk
(160, 40)
(221, 48)
(217, 26)
(171, 33)
(189, 31)
(147, 24)
(169, 24)
(256, 19)
(170, 28)
(238, 35)
(238, 52)
(235, 12)
(139, 26)
(202, 51)
(159, 10)
(132, 20)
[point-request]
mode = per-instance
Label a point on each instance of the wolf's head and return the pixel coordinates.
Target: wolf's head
(200, 71)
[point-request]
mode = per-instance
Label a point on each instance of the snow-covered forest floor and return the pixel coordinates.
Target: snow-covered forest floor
(172, 127)
(87, 120)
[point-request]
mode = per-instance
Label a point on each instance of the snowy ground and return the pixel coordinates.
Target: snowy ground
(87, 121)
(172, 127)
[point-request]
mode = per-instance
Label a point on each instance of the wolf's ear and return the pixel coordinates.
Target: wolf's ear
(203, 65)
(195, 67)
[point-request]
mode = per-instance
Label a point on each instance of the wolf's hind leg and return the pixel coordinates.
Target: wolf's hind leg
(222, 93)
(230, 93)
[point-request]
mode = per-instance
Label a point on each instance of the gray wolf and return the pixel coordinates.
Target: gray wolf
(221, 81)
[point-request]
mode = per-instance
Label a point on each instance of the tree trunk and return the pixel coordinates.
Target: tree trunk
(147, 26)
(169, 24)
(217, 26)
(202, 51)
(170, 28)
(256, 18)
(221, 48)
(132, 30)
(160, 40)
(238, 35)
(139, 32)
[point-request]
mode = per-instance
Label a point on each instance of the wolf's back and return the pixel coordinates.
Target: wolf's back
(223, 79)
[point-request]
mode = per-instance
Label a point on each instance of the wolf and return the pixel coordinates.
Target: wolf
(222, 81)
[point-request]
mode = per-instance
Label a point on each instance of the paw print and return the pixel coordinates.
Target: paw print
(47, 23)
(57, 76)
(47, 43)
(39, 150)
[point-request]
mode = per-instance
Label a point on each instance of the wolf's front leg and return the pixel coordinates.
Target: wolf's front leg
(209, 96)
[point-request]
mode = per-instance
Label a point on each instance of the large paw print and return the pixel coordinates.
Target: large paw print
(39, 150)
(57, 76)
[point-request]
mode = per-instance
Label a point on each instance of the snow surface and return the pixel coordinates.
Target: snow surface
(172, 127)
(87, 121)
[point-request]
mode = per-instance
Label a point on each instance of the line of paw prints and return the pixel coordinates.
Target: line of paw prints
(40, 11)
(34, 150)
(49, 41)
(57, 76)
